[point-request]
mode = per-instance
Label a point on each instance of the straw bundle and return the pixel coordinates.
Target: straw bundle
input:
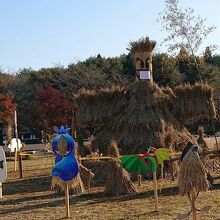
(75, 184)
(86, 175)
(98, 106)
(118, 180)
(142, 45)
(192, 174)
(194, 102)
(201, 142)
(113, 149)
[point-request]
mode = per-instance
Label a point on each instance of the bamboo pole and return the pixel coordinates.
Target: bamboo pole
(67, 202)
(155, 191)
(194, 216)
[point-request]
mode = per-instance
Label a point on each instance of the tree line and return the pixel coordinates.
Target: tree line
(44, 97)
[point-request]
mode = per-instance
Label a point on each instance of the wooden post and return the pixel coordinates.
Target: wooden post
(155, 191)
(16, 135)
(139, 179)
(194, 216)
(0, 190)
(20, 164)
(67, 202)
(17, 151)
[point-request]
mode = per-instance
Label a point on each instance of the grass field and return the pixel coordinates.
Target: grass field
(32, 198)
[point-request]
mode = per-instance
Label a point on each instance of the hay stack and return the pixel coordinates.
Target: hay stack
(118, 180)
(192, 174)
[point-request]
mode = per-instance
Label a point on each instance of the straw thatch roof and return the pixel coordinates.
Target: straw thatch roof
(144, 115)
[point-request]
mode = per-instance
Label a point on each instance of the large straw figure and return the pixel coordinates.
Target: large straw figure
(193, 178)
(143, 114)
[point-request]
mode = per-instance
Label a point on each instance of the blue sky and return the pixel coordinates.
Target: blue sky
(46, 33)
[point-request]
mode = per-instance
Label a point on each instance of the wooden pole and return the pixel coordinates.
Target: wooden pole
(20, 164)
(155, 191)
(17, 151)
(67, 202)
(0, 190)
(139, 179)
(194, 216)
(16, 135)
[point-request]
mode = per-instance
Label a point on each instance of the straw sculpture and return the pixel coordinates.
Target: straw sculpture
(144, 114)
(118, 180)
(192, 177)
(192, 174)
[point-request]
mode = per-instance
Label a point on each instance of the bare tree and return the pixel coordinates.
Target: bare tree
(184, 28)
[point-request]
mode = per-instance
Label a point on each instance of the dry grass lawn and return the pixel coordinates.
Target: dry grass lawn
(31, 198)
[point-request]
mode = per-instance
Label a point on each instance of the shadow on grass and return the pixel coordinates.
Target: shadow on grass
(32, 207)
(38, 184)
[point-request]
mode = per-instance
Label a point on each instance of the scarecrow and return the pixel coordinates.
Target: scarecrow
(65, 173)
(144, 114)
(193, 175)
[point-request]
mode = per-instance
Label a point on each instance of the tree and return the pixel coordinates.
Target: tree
(7, 107)
(184, 28)
(52, 108)
(165, 70)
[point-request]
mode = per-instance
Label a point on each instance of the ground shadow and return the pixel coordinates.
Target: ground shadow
(38, 184)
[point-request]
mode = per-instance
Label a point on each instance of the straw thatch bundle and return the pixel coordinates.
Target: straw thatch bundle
(113, 150)
(201, 142)
(98, 106)
(144, 114)
(99, 168)
(192, 174)
(194, 102)
(142, 45)
(75, 185)
(86, 176)
(118, 180)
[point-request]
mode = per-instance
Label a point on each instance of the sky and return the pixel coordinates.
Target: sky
(47, 33)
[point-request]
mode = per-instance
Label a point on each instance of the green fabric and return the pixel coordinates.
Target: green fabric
(133, 163)
(152, 163)
(161, 155)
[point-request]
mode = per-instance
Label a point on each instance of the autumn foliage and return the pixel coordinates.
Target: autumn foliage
(7, 107)
(52, 107)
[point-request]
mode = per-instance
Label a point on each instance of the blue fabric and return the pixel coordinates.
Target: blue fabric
(69, 139)
(67, 168)
(58, 158)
